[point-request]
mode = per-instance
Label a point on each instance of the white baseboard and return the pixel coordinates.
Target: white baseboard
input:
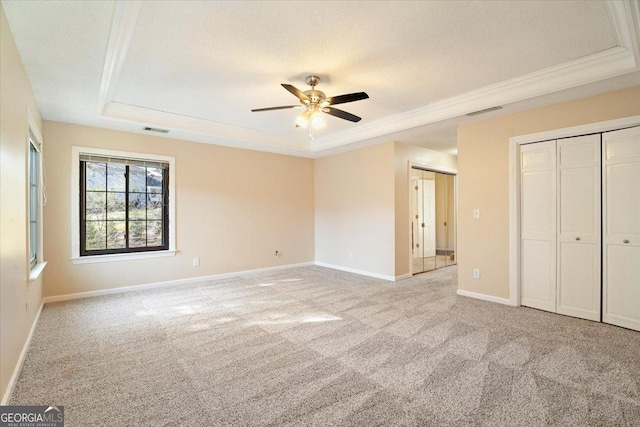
(360, 272)
(23, 354)
(484, 297)
(133, 288)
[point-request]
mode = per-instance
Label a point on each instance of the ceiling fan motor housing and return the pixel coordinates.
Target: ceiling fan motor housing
(315, 97)
(313, 80)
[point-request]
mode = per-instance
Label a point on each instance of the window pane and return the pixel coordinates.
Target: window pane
(154, 206)
(96, 233)
(96, 176)
(115, 206)
(154, 233)
(115, 177)
(33, 165)
(137, 179)
(154, 180)
(33, 203)
(96, 206)
(137, 206)
(33, 243)
(137, 234)
(116, 235)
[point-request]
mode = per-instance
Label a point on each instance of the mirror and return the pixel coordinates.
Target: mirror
(433, 225)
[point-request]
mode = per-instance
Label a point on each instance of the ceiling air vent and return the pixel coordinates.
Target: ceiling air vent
(486, 110)
(149, 129)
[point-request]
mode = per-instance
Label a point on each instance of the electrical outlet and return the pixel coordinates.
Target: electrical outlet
(476, 273)
(476, 213)
(196, 262)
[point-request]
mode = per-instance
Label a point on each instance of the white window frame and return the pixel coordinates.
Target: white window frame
(34, 138)
(76, 151)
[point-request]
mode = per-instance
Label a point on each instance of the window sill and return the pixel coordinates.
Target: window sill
(36, 271)
(121, 257)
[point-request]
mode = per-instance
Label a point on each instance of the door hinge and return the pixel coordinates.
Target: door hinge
(423, 225)
(416, 216)
(416, 187)
(445, 223)
(417, 245)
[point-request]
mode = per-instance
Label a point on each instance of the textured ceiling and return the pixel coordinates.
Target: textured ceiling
(218, 60)
(198, 62)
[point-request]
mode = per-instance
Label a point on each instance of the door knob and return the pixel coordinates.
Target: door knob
(626, 241)
(577, 238)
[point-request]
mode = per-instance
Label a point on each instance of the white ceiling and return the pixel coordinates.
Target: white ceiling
(198, 68)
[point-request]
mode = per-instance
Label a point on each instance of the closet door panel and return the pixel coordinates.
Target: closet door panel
(538, 225)
(623, 213)
(538, 274)
(623, 290)
(580, 201)
(621, 208)
(579, 234)
(579, 280)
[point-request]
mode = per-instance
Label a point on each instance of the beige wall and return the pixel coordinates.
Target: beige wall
(234, 209)
(483, 162)
(429, 159)
(16, 96)
(354, 201)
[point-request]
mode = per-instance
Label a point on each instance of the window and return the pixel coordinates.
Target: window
(124, 205)
(34, 199)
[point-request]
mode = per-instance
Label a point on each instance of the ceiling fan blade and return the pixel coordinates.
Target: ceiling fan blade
(341, 114)
(350, 97)
(284, 107)
(297, 92)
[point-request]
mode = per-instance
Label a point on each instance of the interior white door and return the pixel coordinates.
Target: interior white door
(538, 225)
(621, 237)
(579, 202)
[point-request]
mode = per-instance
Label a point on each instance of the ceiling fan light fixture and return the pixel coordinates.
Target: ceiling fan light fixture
(302, 120)
(317, 121)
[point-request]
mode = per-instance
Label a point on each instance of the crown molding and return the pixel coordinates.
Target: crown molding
(206, 131)
(123, 24)
(598, 66)
(609, 63)
(625, 18)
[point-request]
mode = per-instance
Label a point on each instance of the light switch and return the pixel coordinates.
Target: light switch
(476, 213)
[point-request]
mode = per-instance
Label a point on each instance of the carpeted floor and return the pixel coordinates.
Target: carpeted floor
(313, 346)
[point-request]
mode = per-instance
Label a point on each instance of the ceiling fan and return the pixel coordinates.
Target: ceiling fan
(316, 102)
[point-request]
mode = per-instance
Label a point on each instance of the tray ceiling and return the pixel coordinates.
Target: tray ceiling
(198, 68)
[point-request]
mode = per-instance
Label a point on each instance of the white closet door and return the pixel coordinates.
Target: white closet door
(621, 210)
(579, 227)
(538, 225)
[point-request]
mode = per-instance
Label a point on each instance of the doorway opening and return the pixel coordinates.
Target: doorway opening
(433, 220)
